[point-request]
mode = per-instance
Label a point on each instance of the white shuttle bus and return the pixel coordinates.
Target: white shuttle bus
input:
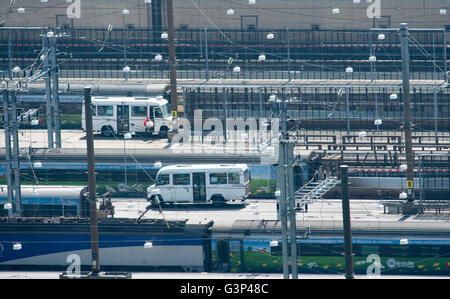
(213, 183)
(119, 115)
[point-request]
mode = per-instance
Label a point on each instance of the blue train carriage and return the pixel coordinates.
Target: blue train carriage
(125, 244)
(255, 246)
(47, 201)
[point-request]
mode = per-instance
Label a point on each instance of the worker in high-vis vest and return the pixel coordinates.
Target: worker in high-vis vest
(148, 124)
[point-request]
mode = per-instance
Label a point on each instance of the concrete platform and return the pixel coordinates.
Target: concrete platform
(249, 83)
(362, 211)
(75, 139)
(205, 275)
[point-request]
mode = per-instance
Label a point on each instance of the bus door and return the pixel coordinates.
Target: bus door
(123, 118)
(138, 118)
(199, 187)
(182, 187)
(157, 117)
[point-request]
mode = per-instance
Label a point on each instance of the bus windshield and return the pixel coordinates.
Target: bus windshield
(162, 179)
(247, 176)
(165, 110)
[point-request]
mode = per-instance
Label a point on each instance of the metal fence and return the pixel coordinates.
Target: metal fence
(328, 110)
(210, 53)
(434, 175)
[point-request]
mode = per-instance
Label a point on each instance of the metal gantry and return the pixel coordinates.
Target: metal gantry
(11, 127)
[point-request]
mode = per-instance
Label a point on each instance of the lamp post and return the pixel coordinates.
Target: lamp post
(407, 113)
(126, 69)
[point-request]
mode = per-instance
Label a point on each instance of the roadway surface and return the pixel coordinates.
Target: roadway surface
(76, 139)
(265, 209)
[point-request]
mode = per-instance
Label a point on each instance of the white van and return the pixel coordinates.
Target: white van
(119, 115)
(216, 183)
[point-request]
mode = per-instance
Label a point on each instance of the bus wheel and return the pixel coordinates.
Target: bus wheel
(107, 131)
(218, 200)
(155, 200)
(163, 132)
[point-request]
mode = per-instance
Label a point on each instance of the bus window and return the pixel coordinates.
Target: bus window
(151, 113)
(165, 110)
(158, 113)
(182, 179)
(246, 176)
(105, 111)
(163, 179)
(218, 178)
(139, 111)
(234, 178)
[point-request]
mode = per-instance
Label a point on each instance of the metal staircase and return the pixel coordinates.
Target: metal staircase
(314, 190)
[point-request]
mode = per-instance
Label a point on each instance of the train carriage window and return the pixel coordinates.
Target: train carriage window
(222, 251)
(336, 250)
(105, 110)
(182, 179)
(429, 251)
(315, 250)
(396, 250)
(139, 111)
(444, 251)
(218, 178)
(366, 250)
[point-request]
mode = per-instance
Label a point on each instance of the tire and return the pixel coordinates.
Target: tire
(218, 200)
(107, 131)
(163, 132)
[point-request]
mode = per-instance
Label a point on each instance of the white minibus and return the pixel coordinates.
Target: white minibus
(119, 115)
(212, 183)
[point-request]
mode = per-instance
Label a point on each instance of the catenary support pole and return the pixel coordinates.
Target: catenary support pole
(10, 67)
(15, 153)
(407, 112)
(55, 92)
(283, 210)
(7, 125)
(288, 44)
(444, 54)
(347, 108)
(206, 54)
(346, 223)
(291, 207)
(172, 59)
(91, 183)
(48, 89)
